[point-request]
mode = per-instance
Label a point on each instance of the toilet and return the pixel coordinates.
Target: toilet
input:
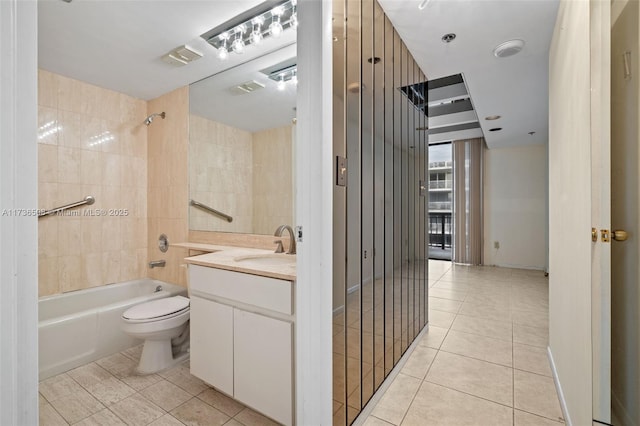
(163, 324)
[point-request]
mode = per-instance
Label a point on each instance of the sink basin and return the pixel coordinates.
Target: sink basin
(269, 259)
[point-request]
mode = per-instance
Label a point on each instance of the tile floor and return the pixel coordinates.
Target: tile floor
(483, 360)
(107, 393)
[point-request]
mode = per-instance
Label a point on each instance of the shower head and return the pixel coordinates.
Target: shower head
(150, 118)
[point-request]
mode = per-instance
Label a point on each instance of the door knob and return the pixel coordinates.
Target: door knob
(620, 235)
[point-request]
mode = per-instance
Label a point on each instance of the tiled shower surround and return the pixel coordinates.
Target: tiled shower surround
(91, 141)
(246, 175)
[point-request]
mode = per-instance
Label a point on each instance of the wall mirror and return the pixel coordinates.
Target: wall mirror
(241, 143)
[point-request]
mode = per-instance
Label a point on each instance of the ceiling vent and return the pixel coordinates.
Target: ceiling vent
(181, 56)
(508, 48)
(247, 87)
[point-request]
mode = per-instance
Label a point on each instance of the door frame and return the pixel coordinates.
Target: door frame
(18, 190)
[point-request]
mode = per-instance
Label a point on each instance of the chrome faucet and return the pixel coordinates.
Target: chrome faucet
(157, 263)
(292, 239)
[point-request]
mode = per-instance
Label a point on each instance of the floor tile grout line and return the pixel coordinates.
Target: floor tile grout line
(58, 413)
(537, 415)
(532, 372)
(475, 359)
(469, 394)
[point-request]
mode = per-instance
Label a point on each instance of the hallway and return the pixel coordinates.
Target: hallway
(483, 360)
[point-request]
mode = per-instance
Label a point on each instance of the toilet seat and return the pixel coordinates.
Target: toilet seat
(157, 310)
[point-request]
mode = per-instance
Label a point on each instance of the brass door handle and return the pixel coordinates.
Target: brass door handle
(620, 235)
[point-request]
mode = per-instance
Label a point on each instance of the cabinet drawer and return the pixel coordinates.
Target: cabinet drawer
(264, 292)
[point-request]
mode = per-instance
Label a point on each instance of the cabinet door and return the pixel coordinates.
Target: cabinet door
(263, 366)
(212, 343)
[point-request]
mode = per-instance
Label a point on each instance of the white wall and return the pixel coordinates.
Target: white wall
(515, 205)
(625, 196)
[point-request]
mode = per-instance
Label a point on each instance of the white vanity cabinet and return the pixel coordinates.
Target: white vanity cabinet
(242, 338)
(212, 343)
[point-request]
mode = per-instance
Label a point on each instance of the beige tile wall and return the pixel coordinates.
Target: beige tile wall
(248, 176)
(272, 179)
(221, 175)
(168, 183)
(91, 141)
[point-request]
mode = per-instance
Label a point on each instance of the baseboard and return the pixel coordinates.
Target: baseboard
(556, 381)
(621, 415)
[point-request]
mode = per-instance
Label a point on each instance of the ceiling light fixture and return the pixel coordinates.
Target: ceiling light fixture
(256, 34)
(223, 52)
(238, 44)
(285, 75)
(448, 38)
(294, 15)
(275, 29)
(492, 117)
(281, 84)
(508, 48)
(242, 33)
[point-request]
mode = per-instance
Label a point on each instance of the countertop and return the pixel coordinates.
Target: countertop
(227, 257)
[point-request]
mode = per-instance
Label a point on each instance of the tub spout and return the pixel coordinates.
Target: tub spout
(157, 263)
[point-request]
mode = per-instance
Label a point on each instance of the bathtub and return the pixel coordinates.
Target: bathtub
(78, 327)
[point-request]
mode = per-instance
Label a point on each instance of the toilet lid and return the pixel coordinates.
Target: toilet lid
(157, 308)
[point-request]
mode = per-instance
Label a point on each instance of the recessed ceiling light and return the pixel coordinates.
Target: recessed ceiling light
(495, 129)
(492, 117)
(448, 38)
(508, 48)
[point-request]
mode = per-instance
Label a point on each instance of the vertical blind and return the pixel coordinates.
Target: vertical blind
(467, 207)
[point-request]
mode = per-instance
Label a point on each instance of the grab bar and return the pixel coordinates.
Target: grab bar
(210, 210)
(87, 200)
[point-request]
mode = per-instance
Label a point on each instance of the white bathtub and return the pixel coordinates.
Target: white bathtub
(78, 327)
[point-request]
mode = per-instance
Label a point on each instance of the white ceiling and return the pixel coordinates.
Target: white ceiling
(266, 108)
(118, 45)
(515, 87)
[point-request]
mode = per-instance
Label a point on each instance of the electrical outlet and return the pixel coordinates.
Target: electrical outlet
(496, 245)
